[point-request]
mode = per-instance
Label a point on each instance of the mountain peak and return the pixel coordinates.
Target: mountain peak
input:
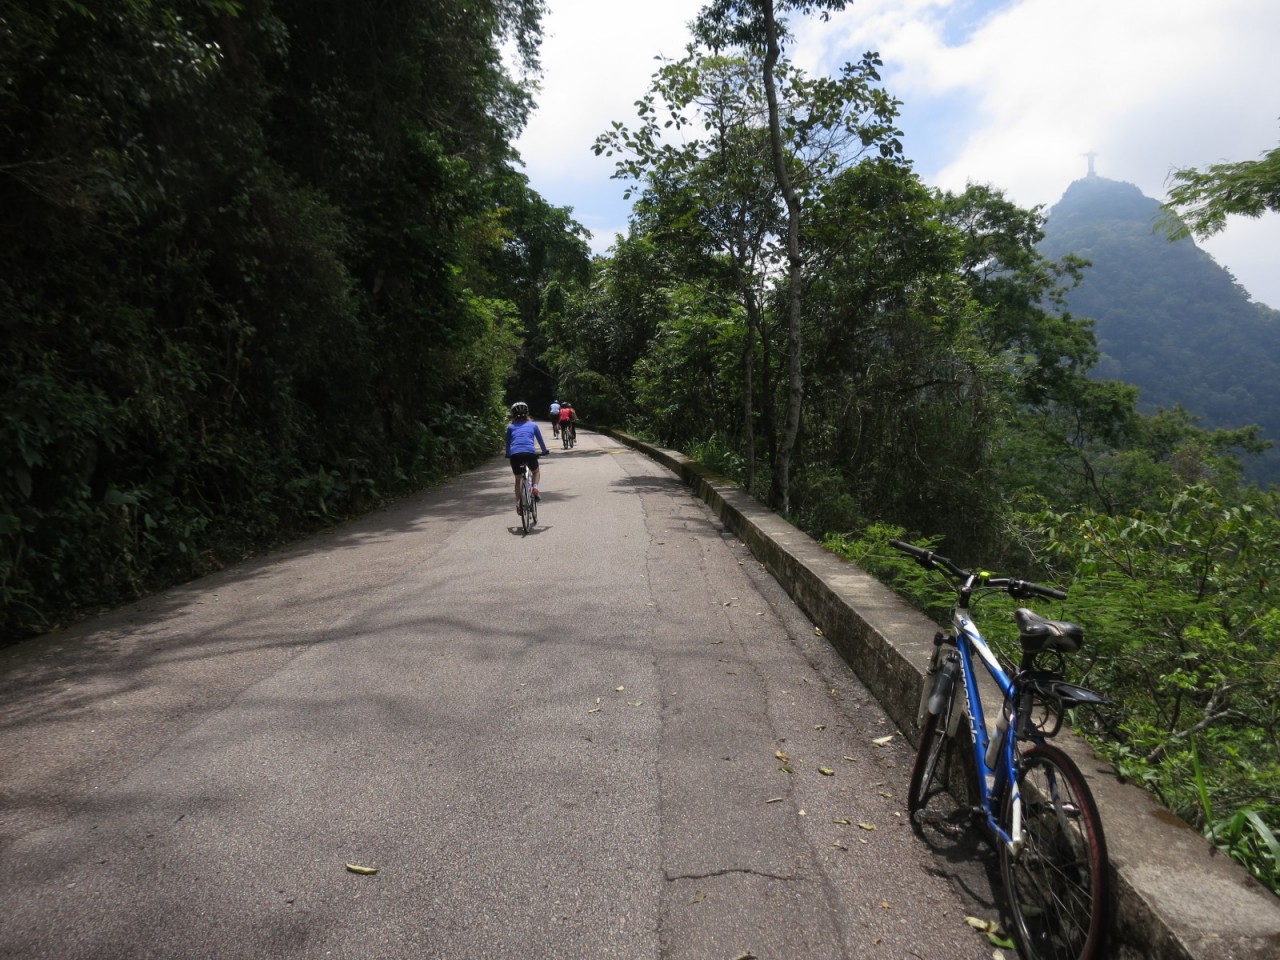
(1168, 318)
(1098, 198)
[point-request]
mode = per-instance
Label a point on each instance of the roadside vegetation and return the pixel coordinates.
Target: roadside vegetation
(262, 266)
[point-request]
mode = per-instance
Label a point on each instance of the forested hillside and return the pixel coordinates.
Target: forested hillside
(1168, 318)
(261, 265)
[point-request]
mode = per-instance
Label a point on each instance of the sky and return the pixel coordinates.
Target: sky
(1011, 93)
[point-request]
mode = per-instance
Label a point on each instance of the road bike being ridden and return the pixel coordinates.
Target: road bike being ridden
(568, 434)
(1030, 796)
(528, 505)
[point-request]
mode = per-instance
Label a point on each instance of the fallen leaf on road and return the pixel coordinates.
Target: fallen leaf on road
(775, 800)
(619, 689)
(594, 710)
(781, 756)
(826, 771)
(881, 741)
(365, 871)
(842, 822)
(867, 826)
(992, 929)
(818, 631)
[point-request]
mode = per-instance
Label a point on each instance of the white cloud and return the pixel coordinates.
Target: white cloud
(598, 57)
(1149, 85)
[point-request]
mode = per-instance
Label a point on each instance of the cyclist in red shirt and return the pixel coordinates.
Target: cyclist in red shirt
(568, 417)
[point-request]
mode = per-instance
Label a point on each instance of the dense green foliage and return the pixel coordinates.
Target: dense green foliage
(1169, 320)
(262, 264)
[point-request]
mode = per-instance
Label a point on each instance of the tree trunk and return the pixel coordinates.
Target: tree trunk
(781, 494)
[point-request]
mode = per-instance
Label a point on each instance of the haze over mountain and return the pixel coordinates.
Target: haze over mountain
(1169, 318)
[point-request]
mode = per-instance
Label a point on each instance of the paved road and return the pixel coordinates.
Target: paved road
(564, 745)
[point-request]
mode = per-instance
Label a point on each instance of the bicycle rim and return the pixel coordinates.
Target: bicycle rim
(1056, 882)
(927, 798)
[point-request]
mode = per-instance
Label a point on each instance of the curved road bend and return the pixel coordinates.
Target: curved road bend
(556, 746)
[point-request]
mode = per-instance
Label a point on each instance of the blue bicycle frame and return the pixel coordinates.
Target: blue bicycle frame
(968, 641)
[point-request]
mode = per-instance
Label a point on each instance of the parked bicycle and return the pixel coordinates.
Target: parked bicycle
(1030, 796)
(528, 503)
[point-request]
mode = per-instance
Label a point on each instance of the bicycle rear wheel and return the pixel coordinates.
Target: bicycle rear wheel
(1056, 881)
(526, 505)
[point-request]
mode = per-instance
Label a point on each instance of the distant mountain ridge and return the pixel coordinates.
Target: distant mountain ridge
(1169, 319)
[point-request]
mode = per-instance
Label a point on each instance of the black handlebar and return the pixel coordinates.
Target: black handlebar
(1019, 589)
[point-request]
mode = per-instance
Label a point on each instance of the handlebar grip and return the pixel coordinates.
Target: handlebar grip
(1025, 589)
(910, 548)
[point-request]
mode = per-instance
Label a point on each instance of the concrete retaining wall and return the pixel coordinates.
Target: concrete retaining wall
(1175, 896)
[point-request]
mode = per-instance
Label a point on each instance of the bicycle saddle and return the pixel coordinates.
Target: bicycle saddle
(1038, 634)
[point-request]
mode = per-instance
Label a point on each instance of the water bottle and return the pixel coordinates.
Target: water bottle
(996, 742)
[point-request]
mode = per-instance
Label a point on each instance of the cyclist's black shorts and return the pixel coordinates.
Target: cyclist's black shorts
(518, 460)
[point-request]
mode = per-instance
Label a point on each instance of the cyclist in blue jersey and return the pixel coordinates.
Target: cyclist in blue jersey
(523, 440)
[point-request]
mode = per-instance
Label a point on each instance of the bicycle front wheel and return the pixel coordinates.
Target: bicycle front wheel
(1056, 880)
(526, 507)
(937, 765)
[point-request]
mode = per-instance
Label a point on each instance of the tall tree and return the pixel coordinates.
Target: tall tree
(712, 197)
(839, 119)
(813, 128)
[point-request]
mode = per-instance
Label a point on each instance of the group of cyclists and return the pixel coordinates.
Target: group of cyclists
(524, 440)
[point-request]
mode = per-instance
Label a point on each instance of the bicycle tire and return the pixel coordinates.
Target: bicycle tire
(526, 506)
(937, 760)
(1056, 883)
(564, 438)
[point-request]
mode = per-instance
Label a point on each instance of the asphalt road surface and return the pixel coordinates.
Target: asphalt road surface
(612, 738)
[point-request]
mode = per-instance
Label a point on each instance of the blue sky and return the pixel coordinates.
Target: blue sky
(1006, 92)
